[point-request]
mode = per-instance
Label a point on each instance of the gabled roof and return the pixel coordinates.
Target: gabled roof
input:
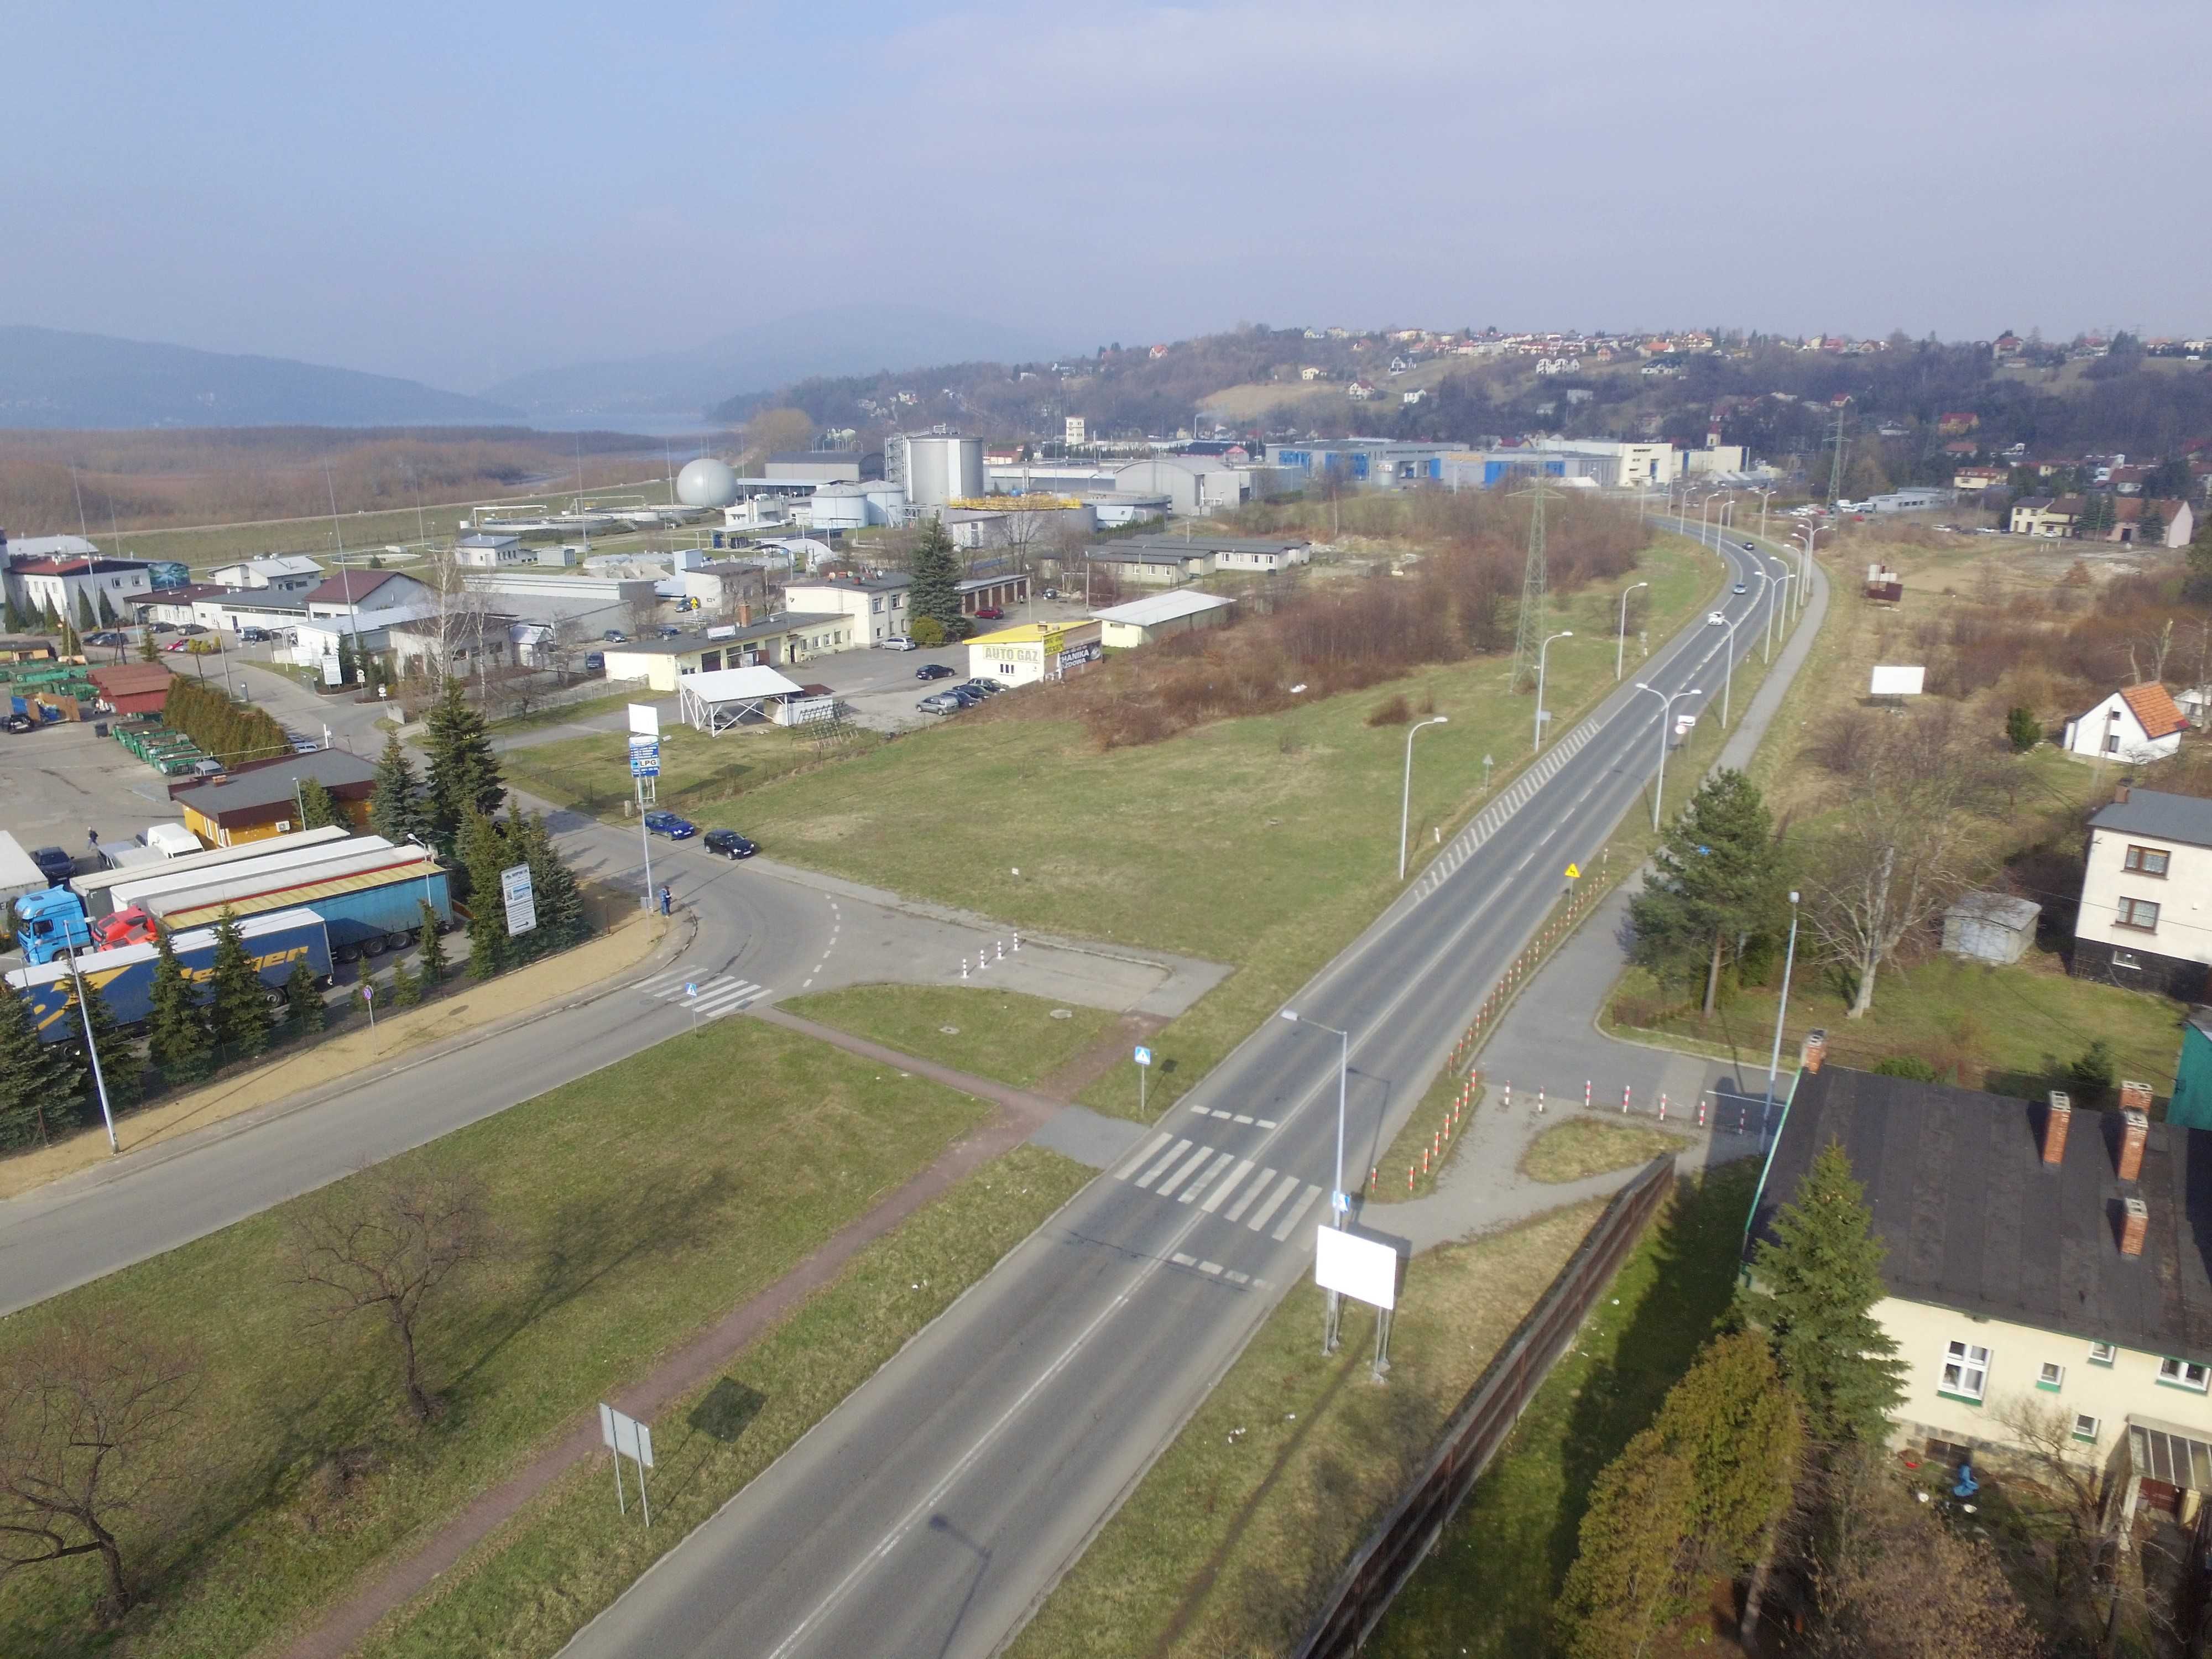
(351, 587)
(2155, 813)
(2153, 706)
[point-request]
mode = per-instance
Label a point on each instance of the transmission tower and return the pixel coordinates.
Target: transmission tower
(1529, 639)
(1839, 443)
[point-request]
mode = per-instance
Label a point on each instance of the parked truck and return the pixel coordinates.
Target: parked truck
(18, 875)
(369, 909)
(96, 887)
(276, 943)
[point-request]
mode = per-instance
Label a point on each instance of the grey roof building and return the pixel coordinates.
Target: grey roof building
(2159, 815)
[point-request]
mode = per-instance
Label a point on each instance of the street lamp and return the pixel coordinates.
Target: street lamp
(1406, 799)
(91, 1050)
(1774, 1059)
(1536, 739)
(1763, 495)
(1666, 718)
(1782, 582)
(1720, 618)
(1339, 1202)
(1620, 647)
(432, 863)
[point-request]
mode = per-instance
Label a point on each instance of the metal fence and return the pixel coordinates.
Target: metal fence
(1364, 1592)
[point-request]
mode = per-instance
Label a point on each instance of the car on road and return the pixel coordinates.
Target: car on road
(54, 863)
(1751, 547)
(253, 636)
(990, 613)
(1052, 593)
(900, 642)
(933, 671)
(940, 702)
(191, 630)
(595, 662)
(728, 843)
(614, 636)
(668, 825)
(1717, 620)
(105, 636)
(1740, 588)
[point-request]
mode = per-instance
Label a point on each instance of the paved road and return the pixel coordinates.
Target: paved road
(932, 1509)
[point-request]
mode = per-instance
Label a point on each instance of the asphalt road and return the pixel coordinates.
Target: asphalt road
(932, 1512)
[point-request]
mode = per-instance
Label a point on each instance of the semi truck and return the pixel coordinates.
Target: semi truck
(370, 904)
(124, 976)
(181, 876)
(18, 875)
(97, 888)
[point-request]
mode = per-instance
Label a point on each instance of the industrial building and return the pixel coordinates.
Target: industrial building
(486, 551)
(814, 466)
(933, 469)
(1150, 567)
(663, 665)
(1196, 485)
(1043, 651)
(56, 584)
(277, 573)
(992, 592)
(855, 505)
(1159, 615)
(261, 798)
(876, 605)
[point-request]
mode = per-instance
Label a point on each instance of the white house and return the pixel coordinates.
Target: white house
(486, 551)
(360, 596)
(278, 573)
(57, 584)
(2136, 724)
(2042, 1273)
(876, 604)
(2145, 881)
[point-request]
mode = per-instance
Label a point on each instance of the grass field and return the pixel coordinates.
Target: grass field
(1229, 1542)
(1001, 1035)
(543, 1576)
(699, 775)
(630, 1209)
(1486, 1588)
(1584, 1146)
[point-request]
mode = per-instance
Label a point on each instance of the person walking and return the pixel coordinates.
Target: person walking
(664, 901)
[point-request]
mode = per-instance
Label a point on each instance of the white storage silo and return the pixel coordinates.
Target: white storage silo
(943, 468)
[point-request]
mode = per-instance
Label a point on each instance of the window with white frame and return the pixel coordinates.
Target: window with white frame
(1966, 1370)
(2051, 1377)
(2103, 1353)
(2184, 1373)
(2086, 1427)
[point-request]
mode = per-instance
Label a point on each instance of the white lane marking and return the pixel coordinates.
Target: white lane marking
(1166, 1188)
(1209, 1267)
(1305, 1202)
(1182, 1261)
(1160, 1168)
(1251, 1192)
(1260, 1218)
(1214, 1199)
(1235, 1278)
(1263, 1123)
(1137, 1162)
(1240, 1118)
(1199, 1185)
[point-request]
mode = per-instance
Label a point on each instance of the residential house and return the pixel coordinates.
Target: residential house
(1417, 393)
(2136, 724)
(1361, 390)
(261, 798)
(369, 598)
(1953, 423)
(2170, 523)
(2144, 882)
(875, 604)
(1977, 478)
(2038, 1268)
(2050, 517)
(1311, 371)
(277, 573)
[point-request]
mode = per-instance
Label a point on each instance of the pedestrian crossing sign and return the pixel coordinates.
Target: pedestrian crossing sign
(1144, 1056)
(1574, 873)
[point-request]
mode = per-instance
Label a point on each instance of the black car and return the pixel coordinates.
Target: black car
(105, 636)
(981, 687)
(252, 636)
(933, 671)
(963, 696)
(18, 724)
(54, 863)
(729, 844)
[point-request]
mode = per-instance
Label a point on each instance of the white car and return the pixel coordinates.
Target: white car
(900, 642)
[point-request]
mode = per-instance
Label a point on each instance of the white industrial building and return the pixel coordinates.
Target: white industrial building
(934, 468)
(877, 605)
(855, 505)
(1159, 615)
(1194, 485)
(815, 466)
(278, 573)
(55, 583)
(486, 551)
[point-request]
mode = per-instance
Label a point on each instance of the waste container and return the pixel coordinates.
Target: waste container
(99, 729)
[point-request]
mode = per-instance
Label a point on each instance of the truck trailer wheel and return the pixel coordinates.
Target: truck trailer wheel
(397, 941)
(372, 945)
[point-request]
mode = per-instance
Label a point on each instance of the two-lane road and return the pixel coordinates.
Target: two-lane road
(932, 1510)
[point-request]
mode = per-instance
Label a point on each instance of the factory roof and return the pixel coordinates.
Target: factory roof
(685, 645)
(1156, 608)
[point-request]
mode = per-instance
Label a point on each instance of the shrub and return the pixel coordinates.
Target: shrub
(1394, 712)
(1906, 1065)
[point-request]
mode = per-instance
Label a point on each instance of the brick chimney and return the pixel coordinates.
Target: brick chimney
(744, 613)
(2135, 1130)
(2135, 1222)
(2120, 795)
(2058, 1118)
(1815, 1050)
(2135, 1097)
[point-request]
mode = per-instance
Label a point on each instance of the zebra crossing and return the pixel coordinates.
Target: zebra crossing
(1494, 817)
(718, 993)
(1238, 1190)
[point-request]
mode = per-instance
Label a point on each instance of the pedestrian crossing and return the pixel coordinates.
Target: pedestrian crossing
(706, 997)
(1240, 1191)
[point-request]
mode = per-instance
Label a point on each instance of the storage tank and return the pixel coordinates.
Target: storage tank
(706, 483)
(941, 470)
(839, 507)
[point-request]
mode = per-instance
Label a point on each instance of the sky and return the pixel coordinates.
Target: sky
(458, 193)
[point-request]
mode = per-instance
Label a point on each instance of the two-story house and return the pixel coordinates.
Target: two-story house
(876, 604)
(2045, 515)
(2043, 1261)
(2145, 882)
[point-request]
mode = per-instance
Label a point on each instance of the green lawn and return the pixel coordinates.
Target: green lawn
(1584, 1146)
(699, 775)
(1485, 1590)
(1229, 1542)
(1001, 1035)
(631, 1208)
(554, 1567)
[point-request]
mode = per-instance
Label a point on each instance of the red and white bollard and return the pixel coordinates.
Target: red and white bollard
(1624, 1089)
(1507, 1105)
(1586, 1094)
(1662, 1109)
(1540, 1103)
(964, 966)
(1701, 1109)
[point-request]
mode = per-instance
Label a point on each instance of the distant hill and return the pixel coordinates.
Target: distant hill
(55, 379)
(716, 379)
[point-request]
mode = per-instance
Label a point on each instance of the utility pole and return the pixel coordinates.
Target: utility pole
(1835, 466)
(1528, 639)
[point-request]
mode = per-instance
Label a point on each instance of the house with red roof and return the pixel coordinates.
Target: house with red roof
(2136, 725)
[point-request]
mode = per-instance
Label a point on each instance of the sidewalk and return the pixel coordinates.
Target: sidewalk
(1548, 1040)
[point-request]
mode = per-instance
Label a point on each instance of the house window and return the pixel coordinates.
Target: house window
(1965, 1372)
(2112, 743)
(2184, 1374)
(2148, 861)
(2051, 1378)
(2103, 1353)
(2139, 914)
(2086, 1427)
(2127, 959)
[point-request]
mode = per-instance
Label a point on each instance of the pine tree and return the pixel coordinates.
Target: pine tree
(240, 1013)
(559, 899)
(87, 619)
(1716, 878)
(108, 617)
(464, 775)
(393, 810)
(179, 1039)
(934, 569)
(1812, 1291)
(349, 663)
(433, 949)
(120, 1066)
(148, 651)
(303, 1003)
(1744, 1436)
(319, 808)
(483, 855)
(1628, 1581)
(34, 1076)
(15, 622)
(406, 989)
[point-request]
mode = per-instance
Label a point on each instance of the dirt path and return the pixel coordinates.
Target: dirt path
(1069, 1080)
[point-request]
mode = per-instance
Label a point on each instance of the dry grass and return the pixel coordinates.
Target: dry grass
(1584, 1146)
(1003, 1035)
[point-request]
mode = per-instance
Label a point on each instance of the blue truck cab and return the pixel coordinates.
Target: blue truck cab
(49, 923)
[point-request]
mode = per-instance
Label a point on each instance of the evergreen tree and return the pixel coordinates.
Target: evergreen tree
(433, 949)
(2022, 730)
(1715, 879)
(406, 988)
(15, 623)
(120, 1066)
(1628, 1580)
(559, 899)
(348, 662)
(482, 852)
(303, 1003)
(148, 651)
(87, 619)
(319, 808)
(239, 1011)
(108, 617)
(34, 1076)
(1744, 1436)
(1812, 1293)
(177, 1038)
(393, 810)
(464, 775)
(935, 569)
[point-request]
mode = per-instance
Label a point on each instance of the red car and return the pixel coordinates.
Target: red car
(989, 613)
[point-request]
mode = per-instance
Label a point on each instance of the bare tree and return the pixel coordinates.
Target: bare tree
(2153, 649)
(644, 608)
(387, 1243)
(82, 1421)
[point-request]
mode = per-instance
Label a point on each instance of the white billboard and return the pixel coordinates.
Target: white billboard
(1362, 1268)
(624, 1436)
(520, 898)
(645, 720)
(1897, 681)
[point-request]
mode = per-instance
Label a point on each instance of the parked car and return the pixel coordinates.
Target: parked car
(1051, 593)
(989, 613)
(667, 632)
(668, 825)
(54, 863)
(105, 636)
(160, 628)
(940, 702)
(963, 696)
(614, 636)
(305, 745)
(980, 688)
(176, 645)
(728, 843)
(900, 642)
(252, 636)
(191, 630)
(933, 671)
(595, 662)
(19, 723)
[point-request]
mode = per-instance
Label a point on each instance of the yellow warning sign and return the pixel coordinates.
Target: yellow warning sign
(1574, 873)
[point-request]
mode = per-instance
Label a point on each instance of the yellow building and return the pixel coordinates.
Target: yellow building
(1034, 652)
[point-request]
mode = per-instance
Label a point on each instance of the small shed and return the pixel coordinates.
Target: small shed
(1989, 927)
(133, 688)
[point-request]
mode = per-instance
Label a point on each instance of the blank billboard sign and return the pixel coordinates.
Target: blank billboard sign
(1897, 681)
(1364, 1269)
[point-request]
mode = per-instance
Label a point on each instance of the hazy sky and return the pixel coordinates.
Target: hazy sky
(460, 191)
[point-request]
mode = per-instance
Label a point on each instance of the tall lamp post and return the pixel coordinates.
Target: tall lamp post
(1405, 799)
(1536, 739)
(1666, 718)
(1339, 1202)
(1782, 582)
(1620, 645)
(1781, 1011)
(1721, 619)
(92, 1051)
(1764, 495)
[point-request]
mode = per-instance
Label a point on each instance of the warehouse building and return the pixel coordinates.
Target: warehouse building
(278, 573)
(1159, 615)
(1040, 651)
(260, 799)
(663, 665)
